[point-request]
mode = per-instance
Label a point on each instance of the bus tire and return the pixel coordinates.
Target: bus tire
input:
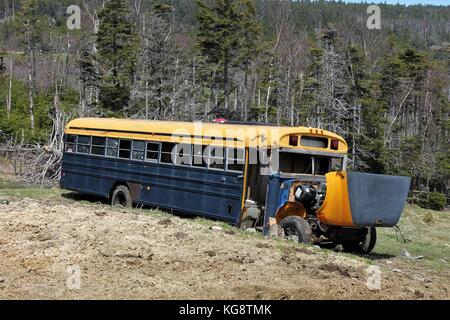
(365, 246)
(297, 229)
(121, 196)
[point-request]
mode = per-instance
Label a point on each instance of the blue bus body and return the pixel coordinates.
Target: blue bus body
(196, 191)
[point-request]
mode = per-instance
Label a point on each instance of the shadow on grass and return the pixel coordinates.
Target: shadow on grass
(85, 197)
(378, 256)
(93, 199)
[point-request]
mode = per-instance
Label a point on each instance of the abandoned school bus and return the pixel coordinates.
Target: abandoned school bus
(288, 180)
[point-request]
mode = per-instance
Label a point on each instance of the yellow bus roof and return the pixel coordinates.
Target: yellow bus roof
(230, 135)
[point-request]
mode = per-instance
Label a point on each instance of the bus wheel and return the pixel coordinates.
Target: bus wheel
(296, 229)
(121, 197)
(365, 246)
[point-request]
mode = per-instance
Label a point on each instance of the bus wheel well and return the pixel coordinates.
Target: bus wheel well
(290, 209)
(115, 185)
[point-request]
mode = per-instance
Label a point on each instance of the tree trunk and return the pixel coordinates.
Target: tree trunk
(266, 113)
(147, 101)
(9, 98)
(31, 73)
(6, 9)
(226, 84)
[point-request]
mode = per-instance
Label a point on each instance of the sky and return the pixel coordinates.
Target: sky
(406, 2)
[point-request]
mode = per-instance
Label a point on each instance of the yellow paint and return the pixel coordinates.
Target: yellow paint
(198, 133)
(244, 189)
(290, 209)
(336, 209)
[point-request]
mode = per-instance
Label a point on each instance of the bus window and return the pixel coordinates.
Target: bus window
(152, 152)
(84, 144)
(216, 159)
(166, 152)
(295, 163)
(71, 143)
(235, 160)
(98, 146)
(183, 154)
(138, 150)
(337, 164)
(322, 165)
(125, 149)
(112, 148)
(197, 156)
(315, 142)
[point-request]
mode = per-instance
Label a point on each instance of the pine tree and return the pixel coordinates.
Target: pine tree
(117, 47)
(226, 36)
(88, 77)
(2, 66)
(31, 31)
(157, 60)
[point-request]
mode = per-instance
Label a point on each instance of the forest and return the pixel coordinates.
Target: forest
(290, 63)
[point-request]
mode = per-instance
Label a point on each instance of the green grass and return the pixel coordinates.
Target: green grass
(19, 190)
(429, 232)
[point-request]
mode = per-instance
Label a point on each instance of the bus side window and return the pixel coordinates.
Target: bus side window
(216, 159)
(183, 155)
(138, 150)
(166, 152)
(235, 160)
(84, 144)
(112, 148)
(125, 149)
(98, 146)
(198, 158)
(152, 152)
(71, 143)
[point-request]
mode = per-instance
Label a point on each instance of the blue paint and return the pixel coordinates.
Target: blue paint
(211, 193)
(377, 200)
(273, 194)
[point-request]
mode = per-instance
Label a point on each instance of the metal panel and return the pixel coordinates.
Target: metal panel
(377, 200)
(211, 193)
(273, 193)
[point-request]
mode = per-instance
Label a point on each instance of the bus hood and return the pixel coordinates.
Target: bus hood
(363, 200)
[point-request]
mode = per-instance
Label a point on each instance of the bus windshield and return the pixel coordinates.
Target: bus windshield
(295, 163)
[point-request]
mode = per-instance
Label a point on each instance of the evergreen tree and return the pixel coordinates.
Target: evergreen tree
(2, 66)
(117, 47)
(30, 30)
(157, 60)
(226, 36)
(88, 76)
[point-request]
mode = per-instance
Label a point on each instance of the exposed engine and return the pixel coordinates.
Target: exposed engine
(311, 196)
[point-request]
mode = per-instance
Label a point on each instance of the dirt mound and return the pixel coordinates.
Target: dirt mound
(64, 249)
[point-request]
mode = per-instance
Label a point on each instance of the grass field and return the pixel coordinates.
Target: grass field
(429, 235)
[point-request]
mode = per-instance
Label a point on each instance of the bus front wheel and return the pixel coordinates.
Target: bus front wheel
(121, 197)
(365, 245)
(296, 229)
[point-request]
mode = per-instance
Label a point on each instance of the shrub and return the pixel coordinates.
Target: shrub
(429, 218)
(436, 201)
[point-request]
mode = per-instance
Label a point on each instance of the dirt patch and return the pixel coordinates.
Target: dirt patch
(331, 267)
(117, 254)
